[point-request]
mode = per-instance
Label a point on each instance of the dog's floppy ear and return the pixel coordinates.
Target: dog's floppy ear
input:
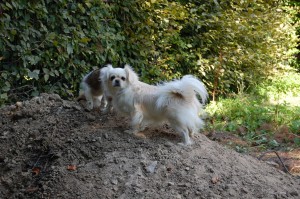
(131, 75)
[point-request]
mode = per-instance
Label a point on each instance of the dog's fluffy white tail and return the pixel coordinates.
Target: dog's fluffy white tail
(183, 90)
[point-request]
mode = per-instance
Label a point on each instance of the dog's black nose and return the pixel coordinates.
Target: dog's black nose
(117, 83)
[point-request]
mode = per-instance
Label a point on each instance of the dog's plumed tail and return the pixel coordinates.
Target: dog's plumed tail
(193, 83)
(183, 90)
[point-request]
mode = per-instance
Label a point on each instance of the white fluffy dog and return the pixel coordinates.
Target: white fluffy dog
(93, 90)
(173, 102)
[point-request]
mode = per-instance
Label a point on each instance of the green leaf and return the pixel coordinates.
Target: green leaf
(33, 59)
(34, 74)
(85, 40)
(35, 93)
(46, 70)
(297, 141)
(273, 143)
(51, 35)
(46, 77)
(3, 96)
(8, 5)
(6, 88)
(69, 48)
(13, 32)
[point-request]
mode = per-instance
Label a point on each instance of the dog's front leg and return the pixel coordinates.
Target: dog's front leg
(136, 122)
(107, 104)
(97, 101)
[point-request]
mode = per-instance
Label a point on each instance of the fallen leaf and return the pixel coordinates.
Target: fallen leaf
(71, 167)
(32, 189)
(215, 179)
(36, 171)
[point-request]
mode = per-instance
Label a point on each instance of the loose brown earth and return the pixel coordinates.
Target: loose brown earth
(51, 148)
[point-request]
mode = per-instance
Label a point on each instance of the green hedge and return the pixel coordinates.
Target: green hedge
(48, 45)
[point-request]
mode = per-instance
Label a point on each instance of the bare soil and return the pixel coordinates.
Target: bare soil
(52, 148)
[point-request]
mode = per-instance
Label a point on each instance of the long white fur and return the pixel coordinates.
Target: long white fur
(173, 102)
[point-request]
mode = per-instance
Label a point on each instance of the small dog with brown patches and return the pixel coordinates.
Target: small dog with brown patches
(93, 90)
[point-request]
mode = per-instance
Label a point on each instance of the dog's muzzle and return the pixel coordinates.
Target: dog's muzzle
(117, 83)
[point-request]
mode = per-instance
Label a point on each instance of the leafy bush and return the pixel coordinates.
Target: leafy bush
(47, 46)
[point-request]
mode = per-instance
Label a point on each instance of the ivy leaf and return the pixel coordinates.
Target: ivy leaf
(3, 96)
(35, 93)
(8, 5)
(69, 48)
(34, 74)
(46, 77)
(33, 59)
(85, 40)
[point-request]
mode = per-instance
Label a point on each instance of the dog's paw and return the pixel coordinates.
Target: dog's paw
(185, 144)
(130, 131)
(105, 111)
(89, 106)
(140, 135)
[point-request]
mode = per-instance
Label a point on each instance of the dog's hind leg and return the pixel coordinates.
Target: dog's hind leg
(186, 138)
(191, 132)
(184, 134)
(89, 100)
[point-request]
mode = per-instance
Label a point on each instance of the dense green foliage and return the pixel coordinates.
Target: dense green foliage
(48, 45)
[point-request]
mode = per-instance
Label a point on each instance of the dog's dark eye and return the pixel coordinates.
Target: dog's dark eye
(123, 78)
(112, 78)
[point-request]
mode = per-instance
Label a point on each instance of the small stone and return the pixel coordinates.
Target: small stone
(170, 183)
(244, 190)
(183, 185)
(168, 144)
(37, 100)
(105, 183)
(70, 140)
(210, 170)
(19, 104)
(66, 104)
(151, 167)
(231, 192)
(114, 182)
(294, 193)
(91, 117)
(13, 107)
(105, 136)
(76, 107)
(55, 97)
(178, 196)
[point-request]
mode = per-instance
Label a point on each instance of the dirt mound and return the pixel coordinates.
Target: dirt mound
(51, 148)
